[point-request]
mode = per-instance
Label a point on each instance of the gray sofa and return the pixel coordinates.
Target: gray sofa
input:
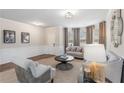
(75, 51)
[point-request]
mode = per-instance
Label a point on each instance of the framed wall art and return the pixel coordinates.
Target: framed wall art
(9, 36)
(25, 37)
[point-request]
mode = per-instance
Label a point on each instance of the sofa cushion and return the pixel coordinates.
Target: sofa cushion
(78, 53)
(70, 52)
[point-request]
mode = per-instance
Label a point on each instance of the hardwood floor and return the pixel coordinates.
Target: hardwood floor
(38, 57)
(7, 66)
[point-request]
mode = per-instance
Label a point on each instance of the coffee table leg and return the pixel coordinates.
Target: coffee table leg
(64, 66)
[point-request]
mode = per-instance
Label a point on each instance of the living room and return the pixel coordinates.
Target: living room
(49, 33)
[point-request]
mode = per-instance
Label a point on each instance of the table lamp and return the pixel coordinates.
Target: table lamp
(95, 57)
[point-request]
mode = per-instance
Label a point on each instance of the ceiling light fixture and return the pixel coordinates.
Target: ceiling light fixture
(68, 15)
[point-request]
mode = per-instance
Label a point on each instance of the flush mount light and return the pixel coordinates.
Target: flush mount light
(68, 15)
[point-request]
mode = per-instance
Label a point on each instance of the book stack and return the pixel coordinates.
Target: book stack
(64, 56)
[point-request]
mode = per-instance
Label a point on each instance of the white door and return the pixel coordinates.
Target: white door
(51, 39)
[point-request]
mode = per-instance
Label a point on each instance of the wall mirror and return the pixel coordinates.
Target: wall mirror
(116, 27)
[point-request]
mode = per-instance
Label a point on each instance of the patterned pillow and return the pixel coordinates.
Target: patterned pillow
(81, 50)
(68, 49)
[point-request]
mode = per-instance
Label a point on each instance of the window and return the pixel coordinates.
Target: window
(96, 34)
(82, 36)
(70, 37)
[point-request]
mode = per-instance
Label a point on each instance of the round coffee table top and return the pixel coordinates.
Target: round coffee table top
(63, 58)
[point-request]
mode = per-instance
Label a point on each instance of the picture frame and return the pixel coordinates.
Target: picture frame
(9, 36)
(25, 37)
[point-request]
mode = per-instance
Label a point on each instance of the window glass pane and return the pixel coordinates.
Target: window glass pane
(82, 36)
(96, 34)
(70, 37)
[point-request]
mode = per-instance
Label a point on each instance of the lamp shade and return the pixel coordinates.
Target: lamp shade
(94, 52)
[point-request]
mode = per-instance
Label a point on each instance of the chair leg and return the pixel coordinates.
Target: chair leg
(52, 81)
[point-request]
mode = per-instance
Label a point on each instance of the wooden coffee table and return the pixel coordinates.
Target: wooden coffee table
(64, 65)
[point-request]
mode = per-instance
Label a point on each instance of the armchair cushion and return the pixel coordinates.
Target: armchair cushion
(37, 69)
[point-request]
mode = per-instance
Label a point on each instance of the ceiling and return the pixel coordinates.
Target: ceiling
(55, 17)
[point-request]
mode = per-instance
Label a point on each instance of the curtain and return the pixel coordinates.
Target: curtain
(76, 36)
(65, 39)
(89, 34)
(102, 33)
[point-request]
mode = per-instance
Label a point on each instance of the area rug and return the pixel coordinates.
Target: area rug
(69, 76)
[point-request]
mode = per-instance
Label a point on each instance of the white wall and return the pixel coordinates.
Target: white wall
(36, 33)
(15, 50)
(120, 49)
(40, 39)
(54, 35)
